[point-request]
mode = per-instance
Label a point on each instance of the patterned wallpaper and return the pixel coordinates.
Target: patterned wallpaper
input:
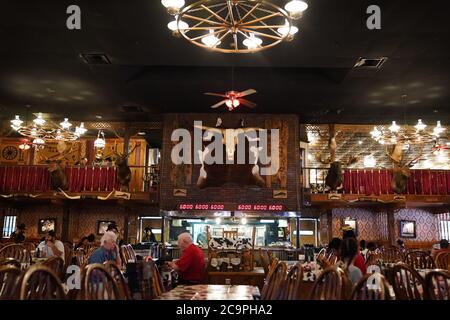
(427, 228)
(366, 222)
(373, 225)
(83, 219)
(30, 215)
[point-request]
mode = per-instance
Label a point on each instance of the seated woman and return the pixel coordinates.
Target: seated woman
(348, 253)
(108, 251)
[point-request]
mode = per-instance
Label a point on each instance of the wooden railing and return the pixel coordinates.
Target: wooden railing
(378, 181)
(29, 179)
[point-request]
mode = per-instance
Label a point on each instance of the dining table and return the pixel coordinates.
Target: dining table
(211, 292)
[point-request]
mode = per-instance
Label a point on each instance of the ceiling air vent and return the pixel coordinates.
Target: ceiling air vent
(132, 109)
(374, 63)
(95, 58)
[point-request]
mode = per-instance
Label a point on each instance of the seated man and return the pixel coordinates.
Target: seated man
(443, 247)
(50, 246)
(191, 265)
(108, 251)
(18, 236)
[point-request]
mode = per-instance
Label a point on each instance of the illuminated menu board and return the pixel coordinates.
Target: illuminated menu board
(239, 207)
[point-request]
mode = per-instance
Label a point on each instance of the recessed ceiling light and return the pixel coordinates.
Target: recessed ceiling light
(98, 116)
(142, 133)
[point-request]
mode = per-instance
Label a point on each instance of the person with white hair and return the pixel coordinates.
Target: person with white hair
(108, 251)
(191, 265)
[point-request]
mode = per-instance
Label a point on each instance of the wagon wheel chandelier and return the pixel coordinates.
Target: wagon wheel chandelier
(235, 26)
(418, 134)
(40, 130)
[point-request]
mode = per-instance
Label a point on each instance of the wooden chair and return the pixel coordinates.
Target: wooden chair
(373, 257)
(16, 251)
(230, 234)
(30, 246)
(392, 255)
(437, 284)
(151, 285)
(442, 260)
(11, 262)
(420, 260)
(408, 284)
(68, 255)
(9, 276)
(332, 284)
(127, 254)
(373, 286)
(294, 280)
(56, 264)
(98, 284)
(265, 262)
(41, 283)
(80, 256)
(117, 275)
(273, 287)
(321, 257)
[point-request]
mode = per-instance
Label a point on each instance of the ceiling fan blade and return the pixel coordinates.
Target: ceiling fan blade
(218, 104)
(247, 103)
(246, 93)
(215, 94)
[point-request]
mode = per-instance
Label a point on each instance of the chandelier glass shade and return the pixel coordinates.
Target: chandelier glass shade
(235, 26)
(40, 130)
(406, 135)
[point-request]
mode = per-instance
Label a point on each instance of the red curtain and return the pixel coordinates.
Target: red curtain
(426, 189)
(376, 182)
(347, 182)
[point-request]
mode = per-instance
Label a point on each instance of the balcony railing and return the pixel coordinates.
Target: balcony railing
(378, 182)
(30, 179)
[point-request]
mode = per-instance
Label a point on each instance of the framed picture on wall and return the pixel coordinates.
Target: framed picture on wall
(102, 225)
(46, 224)
(350, 223)
(407, 229)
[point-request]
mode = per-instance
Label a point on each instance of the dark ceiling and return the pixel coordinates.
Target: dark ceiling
(312, 76)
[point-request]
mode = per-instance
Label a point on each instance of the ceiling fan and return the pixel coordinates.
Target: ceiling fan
(233, 99)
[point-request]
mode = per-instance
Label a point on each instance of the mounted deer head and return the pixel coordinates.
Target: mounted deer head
(123, 170)
(58, 178)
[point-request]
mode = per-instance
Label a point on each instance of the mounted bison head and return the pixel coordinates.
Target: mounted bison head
(58, 178)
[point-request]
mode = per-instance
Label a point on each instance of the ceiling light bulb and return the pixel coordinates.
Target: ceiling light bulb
(244, 220)
(236, 103)
(296, 8)
(394, 127)
(229, 104)
(252, 42)
(38, 142)
(100, 142)
(79, 131)
(16, 123)
(176, 25)
(375, 133)
(211, 40)
(39, 121)
(218, 220)
(369, 161)
(33, 132)
(438, 129)
(420, 125)
(288, 31)
(173, 6)
(65, 124)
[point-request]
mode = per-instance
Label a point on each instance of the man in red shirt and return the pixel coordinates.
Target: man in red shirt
(191, 265)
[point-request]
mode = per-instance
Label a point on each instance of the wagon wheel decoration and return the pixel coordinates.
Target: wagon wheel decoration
(240, 26)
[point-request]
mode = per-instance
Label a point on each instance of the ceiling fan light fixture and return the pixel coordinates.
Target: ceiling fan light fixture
(65, 124)
(420, 125)
(394, 127)
(16, 123)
